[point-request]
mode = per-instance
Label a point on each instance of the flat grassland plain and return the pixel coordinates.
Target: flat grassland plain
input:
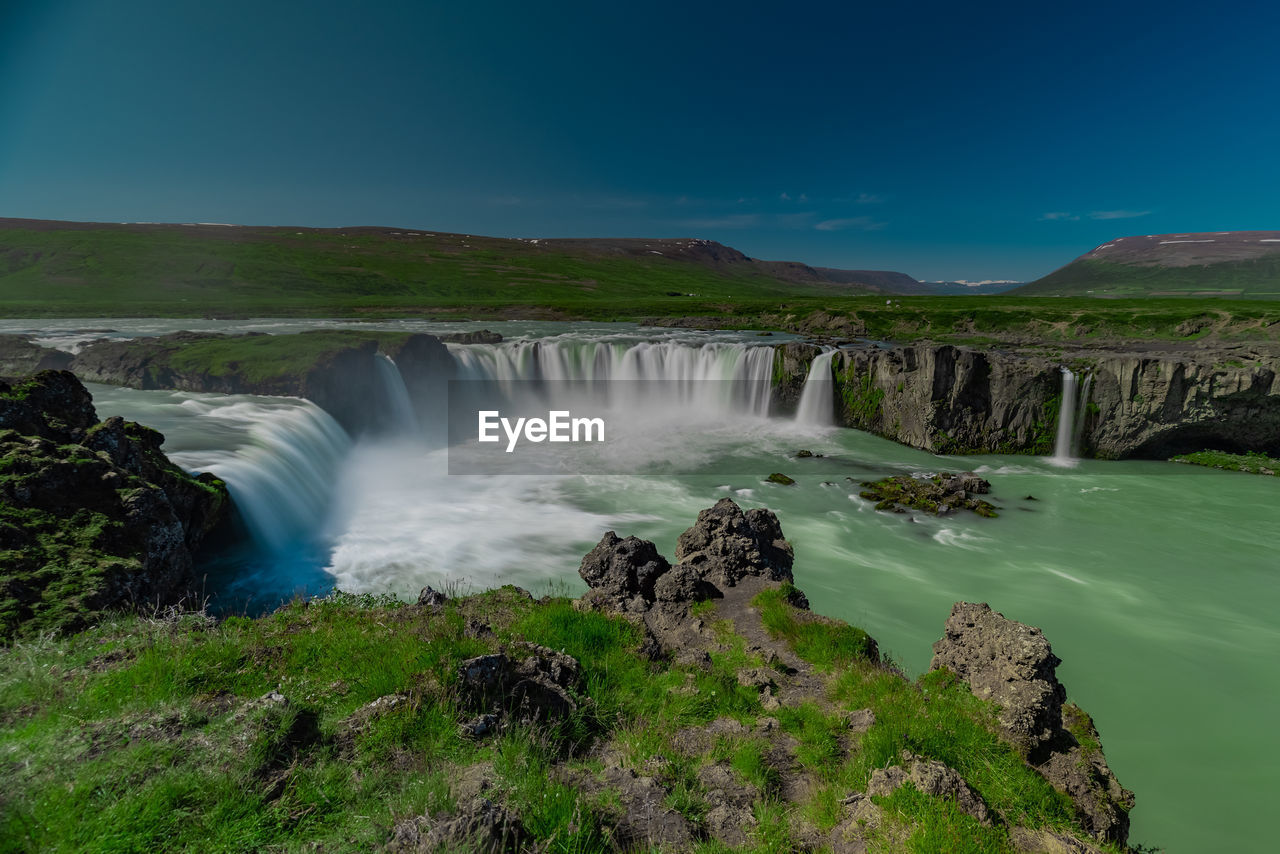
(50, 270)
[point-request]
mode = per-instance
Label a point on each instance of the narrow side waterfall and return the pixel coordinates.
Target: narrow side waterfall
(402, 419)
(1062, 455)
(817, 399)
(1082, 410)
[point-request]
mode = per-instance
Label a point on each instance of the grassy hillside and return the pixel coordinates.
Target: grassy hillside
(310, 730)
(65, 269)
(90, 270)
(1237, 265)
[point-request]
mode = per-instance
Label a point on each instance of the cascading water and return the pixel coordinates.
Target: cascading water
(1082, 410)
(817, 398)
(401, 417)
(1066, 422)
(744, 372)
(282, 478)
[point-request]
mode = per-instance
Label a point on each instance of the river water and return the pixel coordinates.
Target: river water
(1155, 583)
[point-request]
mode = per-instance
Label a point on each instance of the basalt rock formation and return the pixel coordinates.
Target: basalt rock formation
(338, 371)
(1141, 403)
(93, 516)
(20, 357)
(1013, 665)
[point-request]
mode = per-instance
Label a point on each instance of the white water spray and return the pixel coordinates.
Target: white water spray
(817, 398)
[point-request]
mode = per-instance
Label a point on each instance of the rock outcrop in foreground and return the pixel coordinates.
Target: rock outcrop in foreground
(93, 516)
(731, 561)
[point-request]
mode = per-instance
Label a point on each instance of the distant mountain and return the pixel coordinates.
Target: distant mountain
(1241, 264)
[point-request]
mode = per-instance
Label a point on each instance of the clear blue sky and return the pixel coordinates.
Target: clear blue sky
(945, 140)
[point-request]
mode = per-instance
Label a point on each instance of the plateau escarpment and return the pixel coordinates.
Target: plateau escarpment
(343, 372)
(1140, 401)
(93, 517)
(950, 399)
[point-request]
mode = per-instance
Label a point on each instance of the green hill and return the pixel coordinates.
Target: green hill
(52, 268)
(1237, 264)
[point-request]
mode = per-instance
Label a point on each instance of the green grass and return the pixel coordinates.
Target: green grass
(826, 643)
(177, 272)
(148, 734)
(261, 357)
(1253, 463)
(1255, 279)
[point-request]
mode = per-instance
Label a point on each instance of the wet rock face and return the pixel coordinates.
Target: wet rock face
(949, 399)
(1013, 665)
(726, 544)
(1009, 663)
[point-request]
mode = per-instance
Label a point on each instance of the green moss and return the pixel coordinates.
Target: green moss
(862, 399)
(1252, 463)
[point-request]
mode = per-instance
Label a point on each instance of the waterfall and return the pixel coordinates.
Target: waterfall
(282, 479)
(744, 373)
(1081, 412)
(399, 407)
(817, 398)
(1066, 422)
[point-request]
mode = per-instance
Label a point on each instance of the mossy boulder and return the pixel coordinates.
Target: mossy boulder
(939, 494)
(93, 516)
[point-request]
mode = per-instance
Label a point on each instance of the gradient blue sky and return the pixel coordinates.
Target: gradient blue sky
(945, 140)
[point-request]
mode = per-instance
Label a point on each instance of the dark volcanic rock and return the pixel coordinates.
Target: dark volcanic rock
(1008, 663)
(930, 777)
(93, 516)
(480, 826)
(480, 336)
(1012, 665)
(623, 568)
(431, 598)
(342, 373)
(726, 544)
(531, 682)
(20, 357)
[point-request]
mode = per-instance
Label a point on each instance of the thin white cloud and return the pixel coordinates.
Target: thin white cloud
(786, 197)
(1058, 216)
(855, 223)
(868, 199)
(1117, 214)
